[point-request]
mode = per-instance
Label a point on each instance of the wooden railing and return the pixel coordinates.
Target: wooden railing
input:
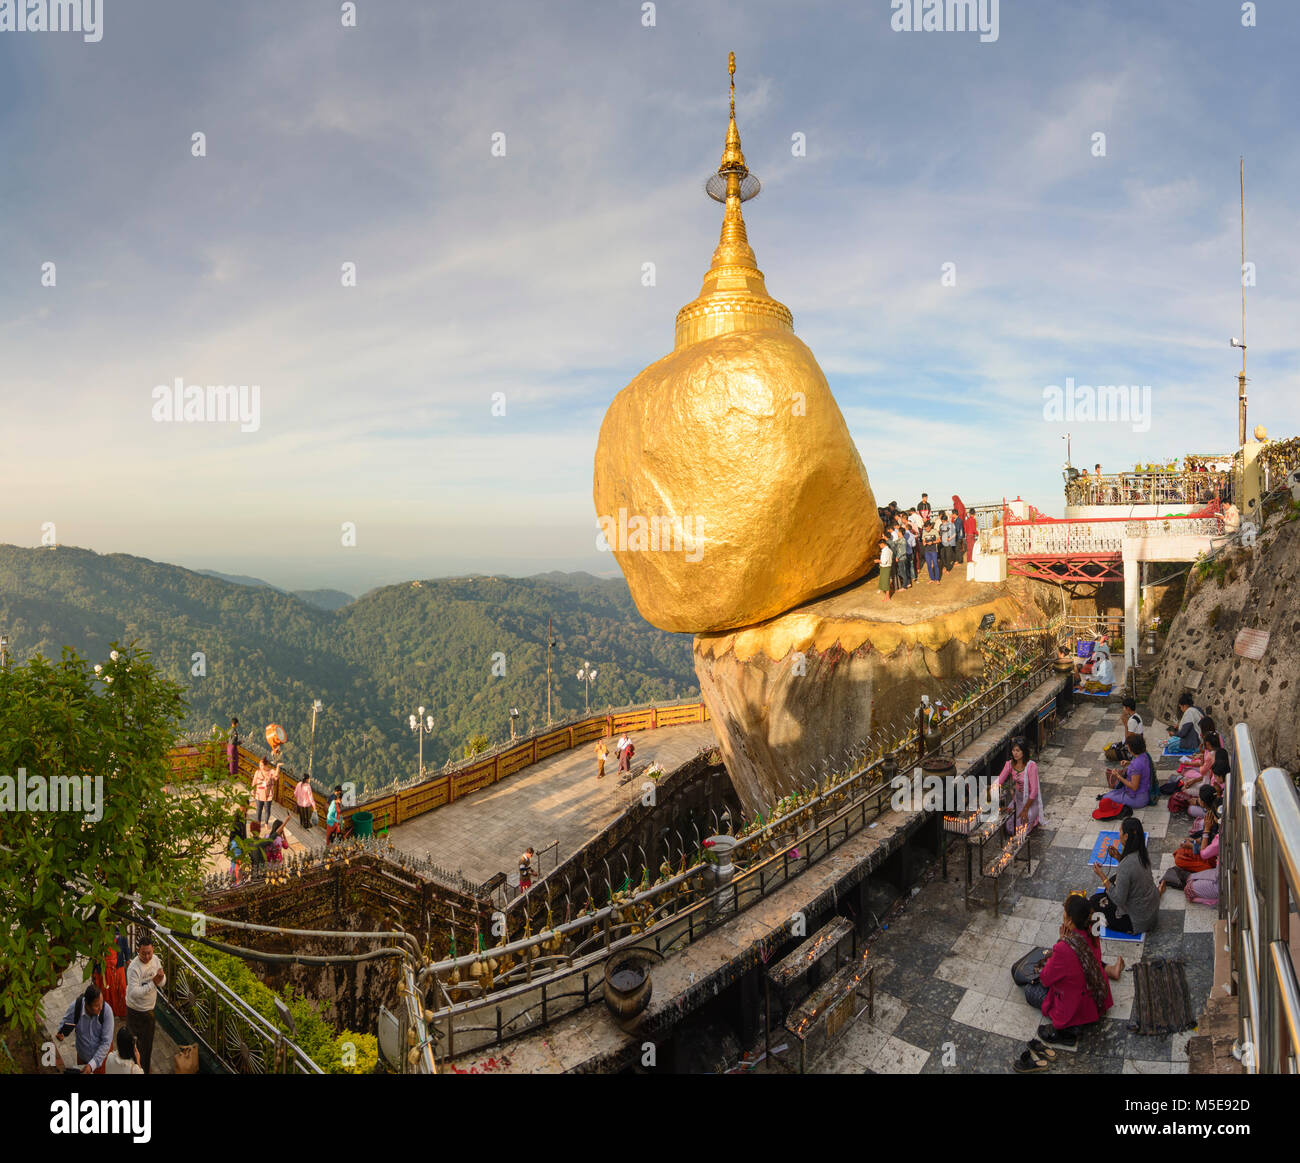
(389, 808)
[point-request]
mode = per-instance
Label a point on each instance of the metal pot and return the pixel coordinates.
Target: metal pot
(628, 987)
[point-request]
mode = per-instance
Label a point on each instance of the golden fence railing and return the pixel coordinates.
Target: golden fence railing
(404, 802)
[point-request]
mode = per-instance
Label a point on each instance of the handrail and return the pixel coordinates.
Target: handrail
(1259, 874)
(280, 1052)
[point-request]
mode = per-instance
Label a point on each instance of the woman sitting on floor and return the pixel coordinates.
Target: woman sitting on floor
(1023, 771)
(1102, 677)
(1187, 738)
(1218, 773)
(1072, 988)
(1182, 789)
(1191, 855)
(1132, 783)
(1196, 864)
(1129, 899)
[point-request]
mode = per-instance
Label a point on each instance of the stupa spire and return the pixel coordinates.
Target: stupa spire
(734, 295)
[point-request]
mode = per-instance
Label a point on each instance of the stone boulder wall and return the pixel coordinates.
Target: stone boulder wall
(787, 693)
(1258, 588)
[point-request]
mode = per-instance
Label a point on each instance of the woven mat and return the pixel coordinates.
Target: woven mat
(1162, 1004)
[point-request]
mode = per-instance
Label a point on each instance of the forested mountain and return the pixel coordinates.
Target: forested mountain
(325, 599)
(264, 655)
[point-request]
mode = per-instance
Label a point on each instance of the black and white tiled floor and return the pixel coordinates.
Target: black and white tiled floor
(945, 1001)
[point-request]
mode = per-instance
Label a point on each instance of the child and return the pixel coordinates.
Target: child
(886, 561)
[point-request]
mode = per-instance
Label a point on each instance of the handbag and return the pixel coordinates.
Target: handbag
(1026, 970)
(187, 1059)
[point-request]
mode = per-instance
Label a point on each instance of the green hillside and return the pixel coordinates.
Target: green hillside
(268, 654)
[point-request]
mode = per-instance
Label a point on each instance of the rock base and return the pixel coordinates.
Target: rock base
(788, 693)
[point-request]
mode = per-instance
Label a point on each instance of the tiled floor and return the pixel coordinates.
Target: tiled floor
(945, 1001)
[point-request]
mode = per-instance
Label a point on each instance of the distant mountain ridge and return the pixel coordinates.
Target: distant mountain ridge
(468, 649)
(326, 599)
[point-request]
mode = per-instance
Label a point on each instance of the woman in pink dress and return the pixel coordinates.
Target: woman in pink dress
(1029, 796)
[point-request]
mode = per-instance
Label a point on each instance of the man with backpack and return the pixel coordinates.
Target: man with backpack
(90, 1020)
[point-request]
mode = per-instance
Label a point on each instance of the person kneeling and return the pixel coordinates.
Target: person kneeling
(1130, 899)
(1072, 988)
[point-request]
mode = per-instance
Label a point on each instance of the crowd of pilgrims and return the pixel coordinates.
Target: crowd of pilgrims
(911, 538)
(1070, 984)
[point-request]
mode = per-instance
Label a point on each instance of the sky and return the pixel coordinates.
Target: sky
(488, 284)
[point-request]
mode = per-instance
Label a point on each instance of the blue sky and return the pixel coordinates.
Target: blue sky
(522, 274)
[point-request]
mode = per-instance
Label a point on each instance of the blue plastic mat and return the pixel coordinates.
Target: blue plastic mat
(1170, 751)
(1104, 838)
(1108, 935)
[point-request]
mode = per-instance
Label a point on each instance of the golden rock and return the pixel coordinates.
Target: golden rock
(726, 481)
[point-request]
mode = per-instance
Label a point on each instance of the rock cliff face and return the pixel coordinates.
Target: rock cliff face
(791, 691)
(1249, 588)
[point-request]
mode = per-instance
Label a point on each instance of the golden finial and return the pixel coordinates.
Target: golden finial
(734, 296)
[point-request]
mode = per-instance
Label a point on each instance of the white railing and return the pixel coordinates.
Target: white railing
(1259, 881)
(1101, 535)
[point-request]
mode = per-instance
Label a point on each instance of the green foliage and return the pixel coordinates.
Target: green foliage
(476, 746)
(110, 733)
(372, 662)
(315, 1034)
(1212, 567)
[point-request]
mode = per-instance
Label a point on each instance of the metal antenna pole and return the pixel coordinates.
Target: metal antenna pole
(1241, 379)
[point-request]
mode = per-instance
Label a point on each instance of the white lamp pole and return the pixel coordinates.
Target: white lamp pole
(586, 676)
(422, 725)
(316, 707)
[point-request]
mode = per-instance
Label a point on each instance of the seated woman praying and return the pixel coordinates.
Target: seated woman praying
(1187, 738)
(1192, 771)
(1196, 862)
(1023, 772)
(1072, 988)
(1129, 898)
(1132, 782)
(1102, 677)
(1219, 768)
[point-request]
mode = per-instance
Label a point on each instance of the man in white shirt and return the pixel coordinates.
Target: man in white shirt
(1131, 719)
(144, 976)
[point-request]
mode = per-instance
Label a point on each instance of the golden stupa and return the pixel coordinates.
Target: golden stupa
(726, 481)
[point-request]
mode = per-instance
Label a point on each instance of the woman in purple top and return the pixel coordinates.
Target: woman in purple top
(1133, 789)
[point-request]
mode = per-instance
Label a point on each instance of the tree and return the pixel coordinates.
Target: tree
(476, 746)
(67, 859)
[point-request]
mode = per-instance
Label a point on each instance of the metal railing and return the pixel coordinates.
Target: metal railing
(1259, 879)
(1148, 488)
(234, 1033)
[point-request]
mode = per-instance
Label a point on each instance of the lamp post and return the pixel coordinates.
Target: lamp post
(316, 707)
(514, 714)
(4, 651)
(586, 676)
(422, 725)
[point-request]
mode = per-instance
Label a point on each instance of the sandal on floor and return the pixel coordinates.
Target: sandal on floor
(1054, 1037)
(1027, 1063)
(1041, 1050)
